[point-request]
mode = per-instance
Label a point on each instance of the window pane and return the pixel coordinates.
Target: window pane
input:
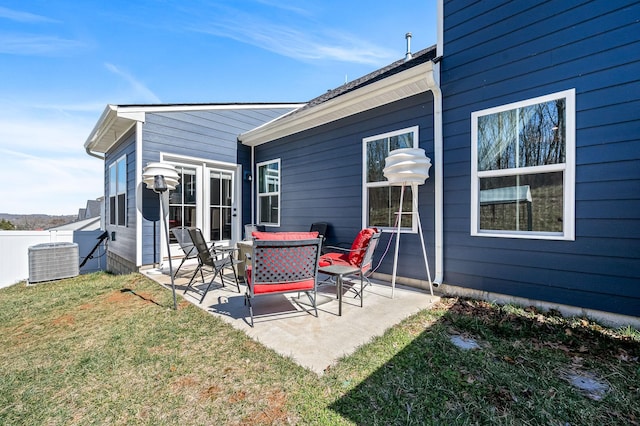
(377, 151)
(215, 195)
(226, 191)
(268, 178)
(122, 211)
(542, 134)
(215, 224)
(404, 140)
(112, 210)
(189, 186)
(497, 136)
(182, 200)
(122, 175)
(113, 179)
(522, 203)
(384, 204)
(269, 209)
(226, 223)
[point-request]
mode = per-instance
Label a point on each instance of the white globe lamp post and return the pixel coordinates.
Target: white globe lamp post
(408, 166)
(161, 178)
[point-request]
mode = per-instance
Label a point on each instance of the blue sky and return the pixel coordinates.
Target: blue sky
(63, 61)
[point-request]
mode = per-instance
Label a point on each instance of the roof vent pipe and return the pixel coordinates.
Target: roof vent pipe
(408, 55)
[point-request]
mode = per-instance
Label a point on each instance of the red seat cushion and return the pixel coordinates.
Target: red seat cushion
(283, 236)
(279, 287)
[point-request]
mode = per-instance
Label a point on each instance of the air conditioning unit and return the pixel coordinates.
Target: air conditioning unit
(53, 261)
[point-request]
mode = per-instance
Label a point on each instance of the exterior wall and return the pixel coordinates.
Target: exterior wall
(120, 265)
(321, 178)
(500, 51)
(210, 135)
(124, 244)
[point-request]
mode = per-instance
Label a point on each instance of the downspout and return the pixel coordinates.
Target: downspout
(438, 146)
(438, 174)
(252, 183)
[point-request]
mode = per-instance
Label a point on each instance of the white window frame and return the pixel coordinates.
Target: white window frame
(384, 183)
(269, 194)
(115, 191)
(567, 168)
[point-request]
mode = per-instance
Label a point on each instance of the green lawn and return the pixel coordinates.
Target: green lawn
(102, 349)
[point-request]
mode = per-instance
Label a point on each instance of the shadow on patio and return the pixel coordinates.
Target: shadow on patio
(284, 325)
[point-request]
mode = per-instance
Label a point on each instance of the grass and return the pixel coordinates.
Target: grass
(102, 349)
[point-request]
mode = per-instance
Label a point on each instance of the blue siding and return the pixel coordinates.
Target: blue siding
(497, 52)
(321, 177)
(125, 242)
(207, 134)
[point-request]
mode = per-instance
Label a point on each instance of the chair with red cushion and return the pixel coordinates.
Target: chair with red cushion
(360, 255)
(283, 264)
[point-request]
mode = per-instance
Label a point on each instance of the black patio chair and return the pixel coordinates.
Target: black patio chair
(181, 233)
(216, 258)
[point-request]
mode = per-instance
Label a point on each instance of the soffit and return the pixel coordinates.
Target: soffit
(410, 82)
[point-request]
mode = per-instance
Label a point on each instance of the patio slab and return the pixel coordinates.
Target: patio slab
(291, 328)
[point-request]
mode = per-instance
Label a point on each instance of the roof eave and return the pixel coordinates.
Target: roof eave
(398, 86)
(112, 125)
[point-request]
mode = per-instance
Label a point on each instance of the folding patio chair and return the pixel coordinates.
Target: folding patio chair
(216, 258)
(186, 244)
(359, 255)
(283, 266)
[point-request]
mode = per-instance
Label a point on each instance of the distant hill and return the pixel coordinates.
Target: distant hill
(33, 222)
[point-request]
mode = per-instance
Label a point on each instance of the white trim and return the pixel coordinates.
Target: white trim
(123, 110)
(116, 120)
(384, 183)
(567, 168)
(382, 92)
(267, 194)
(203, 167)
(139, 188)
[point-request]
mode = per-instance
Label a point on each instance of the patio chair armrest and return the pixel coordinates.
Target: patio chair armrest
(345, 250)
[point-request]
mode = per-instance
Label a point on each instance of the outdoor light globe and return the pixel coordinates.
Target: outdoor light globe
(407, 166)
(160, 169)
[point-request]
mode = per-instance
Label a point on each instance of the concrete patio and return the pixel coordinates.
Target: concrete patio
(284, 325)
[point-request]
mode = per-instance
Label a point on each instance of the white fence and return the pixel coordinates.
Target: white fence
(14, 251)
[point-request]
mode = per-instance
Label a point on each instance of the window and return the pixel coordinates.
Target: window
(522, 169)
(182, 200)
(269, 193)
(381, 201)
(220, 204)
(118, 192)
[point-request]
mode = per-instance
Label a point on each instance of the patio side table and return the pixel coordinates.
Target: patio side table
(339, 271)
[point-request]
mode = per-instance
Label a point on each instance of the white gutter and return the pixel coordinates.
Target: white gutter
(253, 184)
(438, 148)
(438, 175)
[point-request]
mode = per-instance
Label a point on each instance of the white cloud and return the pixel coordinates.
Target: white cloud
(28, 44)
(55, 185)
(140, 92)
(43, 166)
(299, 44)
(19, 16)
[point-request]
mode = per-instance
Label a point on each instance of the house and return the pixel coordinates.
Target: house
(200, 140)
(529, 112)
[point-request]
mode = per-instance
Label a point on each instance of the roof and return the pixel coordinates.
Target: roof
(401, 79)
(117, 120)
(90, 224)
